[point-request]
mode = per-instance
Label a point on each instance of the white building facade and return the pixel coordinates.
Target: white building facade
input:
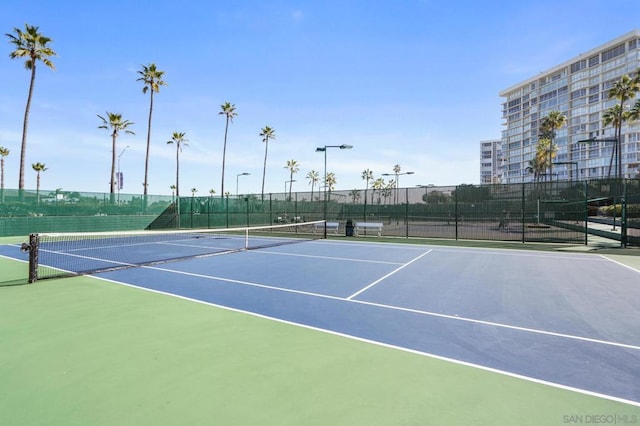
(491, 162)
(578, 89)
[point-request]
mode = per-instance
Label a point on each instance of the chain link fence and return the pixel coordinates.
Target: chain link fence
(556, 211)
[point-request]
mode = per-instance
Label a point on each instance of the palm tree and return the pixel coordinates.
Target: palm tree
(193, 192)
(623, 89)
(173, 190)
(38, 167)
(553, 121)
(313, 177)
(115, 124)
(330, 182)
(355, 195)
(293, 167)
(536, 167)
(396, 171)
(229, 111)
(614, 116)
(545, 153)
(266, 133)
(32, 45)
(152, 79)
(180, 141)
(377, 185)
(3, 153)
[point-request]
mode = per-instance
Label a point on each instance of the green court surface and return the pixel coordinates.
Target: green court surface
(84, 351)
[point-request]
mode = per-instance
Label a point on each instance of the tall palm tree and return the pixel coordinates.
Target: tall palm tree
(38, 167)
(33, 46)
(266, 133)
(180, 141)
(367, 175)
(115, 124)
(293, 167)
(622, 90)
(614, 116)
(313, 177)
(553, 121)
(229, 111)
(396, 171)
(355, 195)
(151, 77)
(3, 153)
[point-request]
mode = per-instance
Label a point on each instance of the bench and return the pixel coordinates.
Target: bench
(363, 226)
(331, 226)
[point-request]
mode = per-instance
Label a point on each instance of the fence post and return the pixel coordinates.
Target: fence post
(522, 210)
(623, 217)
(586, 212)
(406, 212)
(455, 210)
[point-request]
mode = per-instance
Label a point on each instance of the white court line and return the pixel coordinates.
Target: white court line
(397, 308)
(385, 345)
(314, 256)
(388, 275)
(619, 263)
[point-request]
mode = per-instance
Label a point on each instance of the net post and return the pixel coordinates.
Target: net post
(33, 248)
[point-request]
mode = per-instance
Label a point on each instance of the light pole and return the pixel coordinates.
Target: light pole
(324, 149)
(238, 177)
(397, 180)
(120, 184)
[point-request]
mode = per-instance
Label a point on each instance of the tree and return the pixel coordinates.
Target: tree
(266, 133)
(377, 185)
(330, 182)
(115, 124)
(193, 192)
(38, 167)
(545, 153)
(396, 170)
(355, 195)
(471, 193)
(536, 167)
(229, 111)
(553, 121)
(293, 167)
(313, 177)
(367, 175)
(622, 90)
(3, 153)
(32, 45)
(180, 141)
(614, 116)
(151, 77)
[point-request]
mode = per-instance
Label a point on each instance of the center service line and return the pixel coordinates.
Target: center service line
(388, 275)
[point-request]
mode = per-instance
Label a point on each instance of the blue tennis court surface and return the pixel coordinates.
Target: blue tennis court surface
(569, 320)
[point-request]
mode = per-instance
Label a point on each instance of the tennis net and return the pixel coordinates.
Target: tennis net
(54, 255)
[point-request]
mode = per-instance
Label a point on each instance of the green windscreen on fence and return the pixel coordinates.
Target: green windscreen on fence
(551, 211)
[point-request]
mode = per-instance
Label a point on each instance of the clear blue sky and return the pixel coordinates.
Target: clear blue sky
(408, 82)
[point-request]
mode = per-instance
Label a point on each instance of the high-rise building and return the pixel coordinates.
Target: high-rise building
(491, 161)
(578, 88)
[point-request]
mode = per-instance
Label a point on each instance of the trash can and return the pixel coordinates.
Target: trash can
(349, 228)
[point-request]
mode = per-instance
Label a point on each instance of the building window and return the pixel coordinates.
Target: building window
(613, 52)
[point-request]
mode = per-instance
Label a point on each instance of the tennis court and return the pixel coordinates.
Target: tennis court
(564, 326)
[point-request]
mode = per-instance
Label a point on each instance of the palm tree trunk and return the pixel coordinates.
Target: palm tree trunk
(112, 183)
(146, 159)
(264, 167)
(224, 155)
(25, 126)
(178, 171)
